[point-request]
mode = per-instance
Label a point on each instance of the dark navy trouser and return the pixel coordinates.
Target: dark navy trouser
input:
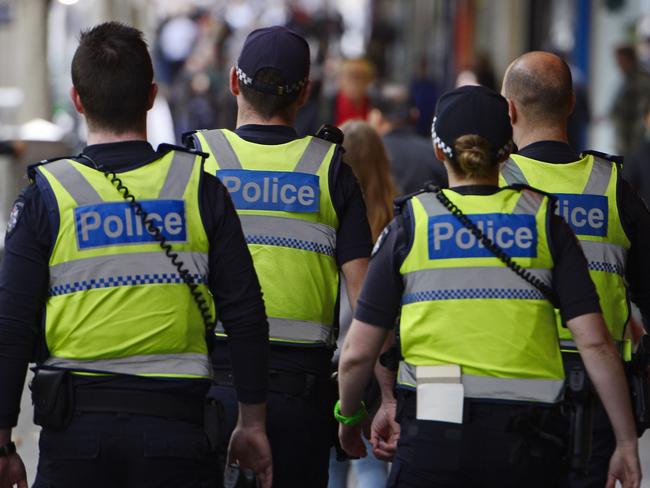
(300, 431)
(105, 450)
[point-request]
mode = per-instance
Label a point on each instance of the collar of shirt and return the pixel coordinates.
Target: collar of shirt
(555, 152)
(267, 134)
(122, 156)
(475, 189)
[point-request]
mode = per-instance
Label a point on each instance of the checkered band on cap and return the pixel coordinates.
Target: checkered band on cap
(449, 151)
(266, 88)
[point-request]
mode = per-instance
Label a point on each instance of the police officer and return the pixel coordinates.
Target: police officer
(120, 386)
(481, 374)
(609, 219)
(304, 220)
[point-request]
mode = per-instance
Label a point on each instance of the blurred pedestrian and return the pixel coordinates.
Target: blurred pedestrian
(636, 169)
(630, 101)
(365, 153)
(352, 100)
(412, 160)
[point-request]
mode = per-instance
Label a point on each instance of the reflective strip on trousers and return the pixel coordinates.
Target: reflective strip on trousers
(286, 232)
(295, 331)
(517, 389)
(471, 283)
(179, 364)
(124, 270)
(604, 256)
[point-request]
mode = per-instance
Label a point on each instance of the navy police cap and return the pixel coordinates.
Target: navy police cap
(279, 48)
(475, 110)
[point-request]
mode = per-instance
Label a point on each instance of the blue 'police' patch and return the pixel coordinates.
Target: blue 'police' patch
(587, 215)
(272, 190)
(515, 234)
(14, 216)
(108, 224)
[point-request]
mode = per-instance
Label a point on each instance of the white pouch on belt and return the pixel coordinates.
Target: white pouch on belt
(440, 393)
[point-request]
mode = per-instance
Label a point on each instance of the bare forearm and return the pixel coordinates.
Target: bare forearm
(252, 415)
(385, 377)
(606, 372)
(354, 272)
(360, 351)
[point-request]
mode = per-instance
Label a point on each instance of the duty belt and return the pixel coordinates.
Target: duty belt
(153, 404)
(298, 384)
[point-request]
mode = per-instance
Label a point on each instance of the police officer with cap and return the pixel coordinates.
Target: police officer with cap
(609, 219)
(305, 221)
(477, 271)
(123, 369)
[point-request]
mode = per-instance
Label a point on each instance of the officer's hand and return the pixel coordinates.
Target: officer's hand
(249, 447)
(351, 442)
(12, 472)
(384, 432)
(624, 466)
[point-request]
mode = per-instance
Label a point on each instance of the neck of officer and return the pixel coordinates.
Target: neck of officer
(458, 179)
(100, 135)
(527, 134)
(246, 115)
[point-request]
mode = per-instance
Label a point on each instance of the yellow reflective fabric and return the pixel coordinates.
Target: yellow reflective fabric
(605, 254)
(293, 252)
(476, 312)
(122, 305)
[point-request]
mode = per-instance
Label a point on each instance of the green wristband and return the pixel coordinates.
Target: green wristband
(352, 420)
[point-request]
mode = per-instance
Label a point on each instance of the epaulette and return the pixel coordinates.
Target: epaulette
(187, 137)
(607, 157)
(166, 147)
(31, 169)
(399, 202)
(523, 186)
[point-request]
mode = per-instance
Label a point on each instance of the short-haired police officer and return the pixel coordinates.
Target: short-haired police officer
(609, 219)
(125, 342)
(481, 376)
(304, 219)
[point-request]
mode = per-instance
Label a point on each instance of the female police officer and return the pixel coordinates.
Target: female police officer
(475, 269)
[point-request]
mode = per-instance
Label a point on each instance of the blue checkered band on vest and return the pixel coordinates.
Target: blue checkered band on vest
(139, 279)
(472, 293)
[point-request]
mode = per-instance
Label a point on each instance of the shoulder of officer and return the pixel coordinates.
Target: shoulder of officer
(31, 169)
(165, 147)
(523, 187)
(604, 157)
(400, 202)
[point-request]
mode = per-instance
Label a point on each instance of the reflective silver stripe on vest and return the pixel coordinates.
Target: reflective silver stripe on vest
(186, 364)
(605, 256)
(124, 270)
(529, 203)
(221, 147)
(74, 182)
(178, 176)
(512, 173)
(518, 389)
(294, 331)
(468, 278)
(601, 173)
(286, 232)
(313, 157)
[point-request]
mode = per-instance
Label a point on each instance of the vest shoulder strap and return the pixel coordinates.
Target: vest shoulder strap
(32, 168)
(604, 157)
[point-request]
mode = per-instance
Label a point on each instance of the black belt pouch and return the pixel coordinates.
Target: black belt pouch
(53, 398)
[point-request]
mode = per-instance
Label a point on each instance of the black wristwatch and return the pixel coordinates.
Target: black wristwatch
(8, 449)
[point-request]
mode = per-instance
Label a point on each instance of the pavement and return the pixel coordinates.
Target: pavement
(26, 438)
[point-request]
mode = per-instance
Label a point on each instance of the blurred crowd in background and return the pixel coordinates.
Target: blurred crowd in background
(381, 61)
